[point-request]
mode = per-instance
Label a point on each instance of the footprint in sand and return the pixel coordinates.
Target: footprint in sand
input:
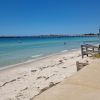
(33, 71)
(43, 77)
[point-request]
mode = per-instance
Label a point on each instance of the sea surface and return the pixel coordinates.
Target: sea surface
(20, 49)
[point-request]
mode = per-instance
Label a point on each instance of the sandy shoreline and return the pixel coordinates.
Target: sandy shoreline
(37, 59)
(25, 81)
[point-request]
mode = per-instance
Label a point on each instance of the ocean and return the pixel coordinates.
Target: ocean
(20, 49)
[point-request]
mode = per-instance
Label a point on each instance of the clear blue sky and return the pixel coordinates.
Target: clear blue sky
(29, 17)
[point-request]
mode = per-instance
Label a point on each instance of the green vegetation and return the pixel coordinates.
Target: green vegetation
(97, 55)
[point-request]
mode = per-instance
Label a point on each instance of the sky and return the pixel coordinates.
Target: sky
(35, 17)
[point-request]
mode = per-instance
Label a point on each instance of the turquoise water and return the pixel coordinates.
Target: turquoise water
(16, 50)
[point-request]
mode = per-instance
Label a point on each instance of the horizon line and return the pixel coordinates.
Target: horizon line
(51, 35)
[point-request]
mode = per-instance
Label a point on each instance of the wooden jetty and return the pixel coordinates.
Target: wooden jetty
(89, 49)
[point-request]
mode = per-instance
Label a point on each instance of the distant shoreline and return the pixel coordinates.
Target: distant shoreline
(53, 35)
(42, 36)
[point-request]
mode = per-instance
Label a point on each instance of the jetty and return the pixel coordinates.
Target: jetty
(88, 49)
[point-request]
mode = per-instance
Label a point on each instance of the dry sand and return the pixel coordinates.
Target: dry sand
(25, 81)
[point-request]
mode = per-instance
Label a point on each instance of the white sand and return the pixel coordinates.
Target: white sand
(25, 81)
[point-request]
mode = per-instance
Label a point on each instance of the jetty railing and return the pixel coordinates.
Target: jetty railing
(89, 49)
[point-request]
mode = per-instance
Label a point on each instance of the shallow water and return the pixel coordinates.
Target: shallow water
(16, 50)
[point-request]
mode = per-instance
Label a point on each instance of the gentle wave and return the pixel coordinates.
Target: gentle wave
(64, 51)
(35, 56)
(74, 49)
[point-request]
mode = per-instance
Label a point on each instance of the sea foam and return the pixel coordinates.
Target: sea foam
(35, 56)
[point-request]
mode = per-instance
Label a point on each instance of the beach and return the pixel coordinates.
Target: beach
(26, 80)
(44, 44)
(84, 85)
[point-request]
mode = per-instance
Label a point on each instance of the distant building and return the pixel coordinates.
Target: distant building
(99, 31)
(98, 34)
